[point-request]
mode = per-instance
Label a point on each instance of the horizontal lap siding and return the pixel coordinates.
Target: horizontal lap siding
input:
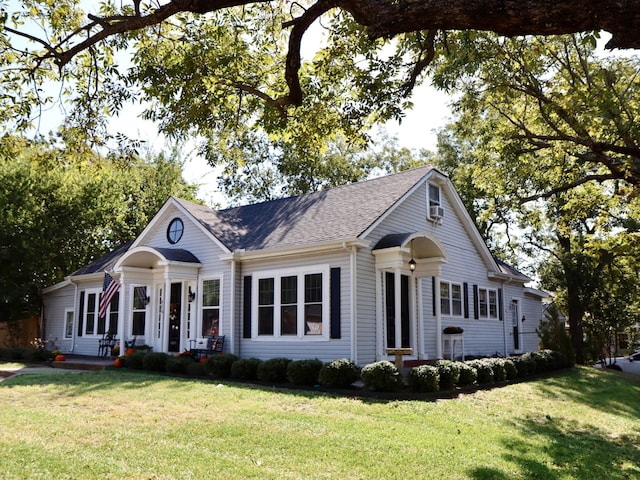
(465, 265)
(366, 308)
(533, 312)
(55, 305)
(300, 349)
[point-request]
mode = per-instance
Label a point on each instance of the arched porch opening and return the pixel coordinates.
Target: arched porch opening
(403, 262)
(159, 301)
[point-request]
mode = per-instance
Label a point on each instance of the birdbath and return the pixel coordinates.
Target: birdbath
(399, 353)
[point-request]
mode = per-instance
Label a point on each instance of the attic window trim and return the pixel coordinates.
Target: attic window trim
(175, 230)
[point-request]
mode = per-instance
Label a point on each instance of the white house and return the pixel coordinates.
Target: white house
(346, 272)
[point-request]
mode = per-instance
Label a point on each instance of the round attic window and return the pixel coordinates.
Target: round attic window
(175, 231)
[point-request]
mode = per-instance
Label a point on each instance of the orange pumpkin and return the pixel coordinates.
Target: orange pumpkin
(117, 363)
(130, 351)
(59, 358)
(203, 359)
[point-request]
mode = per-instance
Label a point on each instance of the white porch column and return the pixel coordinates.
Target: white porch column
(164, 330)
(398, 307)
(438, 316)
(420, 314)
(379, 317)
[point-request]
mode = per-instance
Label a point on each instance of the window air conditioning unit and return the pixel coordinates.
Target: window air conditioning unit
(436, 212)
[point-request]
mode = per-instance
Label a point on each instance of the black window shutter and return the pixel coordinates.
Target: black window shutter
(465, 299)
(334, 330)
(475, 302)
(81, 315)
(500, 314)
(246, 303)
(433, 295)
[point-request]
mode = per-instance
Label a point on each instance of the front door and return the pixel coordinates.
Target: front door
(404, 321)
(515, 321)
(175, 307)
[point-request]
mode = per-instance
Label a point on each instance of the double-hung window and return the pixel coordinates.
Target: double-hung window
(211, 307)
(451, 299)
(488, 303)
(90, 313)
(292, 304)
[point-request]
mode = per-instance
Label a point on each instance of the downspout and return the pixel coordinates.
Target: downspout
(75, 317)
(232, 299)
(353, 309)
(504, 317)
(354, 305)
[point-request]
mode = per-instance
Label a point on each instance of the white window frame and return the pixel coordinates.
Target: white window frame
(450, 299)
(69, 314)
(277, 275)
(433, 202)
(133, 310)
(202, 307)
(487, 292)
(85, 312)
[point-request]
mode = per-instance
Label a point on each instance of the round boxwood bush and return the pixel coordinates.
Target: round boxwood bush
(177, 364)
(219, 365)
(449, 373)
(304, 372)
(425, 378)
(134, 360)
(510, 369)
(273, 370)
(468, 375)
(382, 376)
(195, 369)
(485, 372)
(155, 361)
(339, 373)
(245, 369)
(497, 365)
(524, 365)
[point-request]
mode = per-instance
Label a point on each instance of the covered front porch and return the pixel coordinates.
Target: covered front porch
(158, 297)
(408, 316)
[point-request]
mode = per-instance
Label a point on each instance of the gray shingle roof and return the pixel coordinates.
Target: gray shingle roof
(339, 213)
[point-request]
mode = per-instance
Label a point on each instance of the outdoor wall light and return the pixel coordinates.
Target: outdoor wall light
(412, 262)
(192, 295)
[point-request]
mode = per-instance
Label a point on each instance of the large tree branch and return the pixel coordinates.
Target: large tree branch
(386, 18)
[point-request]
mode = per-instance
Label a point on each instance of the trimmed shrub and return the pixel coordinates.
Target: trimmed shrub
(499, 372)
(134, 361)
(245, 369)
(532, 364)
(304, 372)
(339, 373)
(273, 370)
(155, 361)
(449, 373)
(425, 378)
(468, 375)
(10, 354)
(177, 364)
(562, 360)
(382, 376)
(510, 369)
(37, 355)
(195, 369)
(525, 365)
(219, 364)
(485, 372)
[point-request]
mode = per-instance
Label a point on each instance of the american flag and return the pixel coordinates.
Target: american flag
(109, 289)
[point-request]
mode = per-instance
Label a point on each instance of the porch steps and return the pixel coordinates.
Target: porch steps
(79, 362)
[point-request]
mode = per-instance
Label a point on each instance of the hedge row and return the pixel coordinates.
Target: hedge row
(380, 376)
(25, 354)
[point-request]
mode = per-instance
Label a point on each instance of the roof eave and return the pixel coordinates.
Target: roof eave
(320, 247)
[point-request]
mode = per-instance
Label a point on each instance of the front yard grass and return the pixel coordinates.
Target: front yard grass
(579, 424)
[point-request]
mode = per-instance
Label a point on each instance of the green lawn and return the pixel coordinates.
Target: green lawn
(583, 424)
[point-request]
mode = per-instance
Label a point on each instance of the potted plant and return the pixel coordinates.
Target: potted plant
(450, 330)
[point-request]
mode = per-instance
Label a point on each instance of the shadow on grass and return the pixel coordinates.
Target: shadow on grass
(569, 451)
(607, 391)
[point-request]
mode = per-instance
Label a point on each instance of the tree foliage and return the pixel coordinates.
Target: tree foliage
(62, 208)
(544, 136)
